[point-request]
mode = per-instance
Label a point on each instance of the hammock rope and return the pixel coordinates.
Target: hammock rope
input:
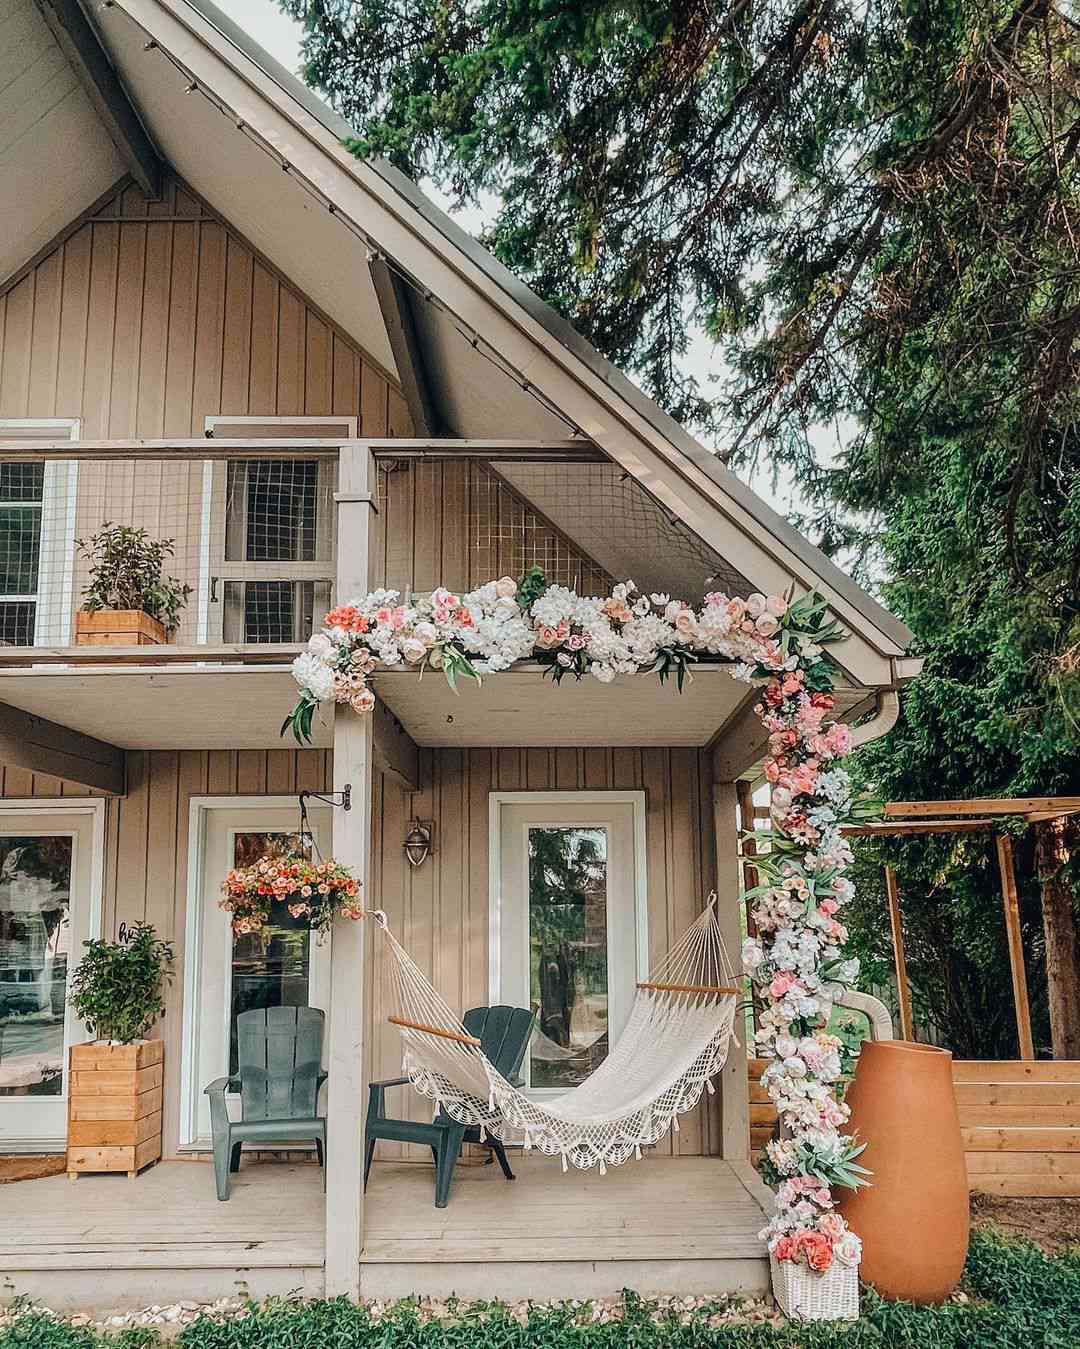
(674, 1042)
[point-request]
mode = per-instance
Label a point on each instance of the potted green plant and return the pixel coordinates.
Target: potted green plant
(129, 601)
(115, 1087)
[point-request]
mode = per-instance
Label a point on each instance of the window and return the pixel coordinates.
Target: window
(273, 561)
(37, 537)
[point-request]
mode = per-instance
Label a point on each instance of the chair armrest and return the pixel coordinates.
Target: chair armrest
(221, 1085)
(377, 1095)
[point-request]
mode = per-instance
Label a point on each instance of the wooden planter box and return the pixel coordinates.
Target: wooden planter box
(117, 627)
(114, 1107)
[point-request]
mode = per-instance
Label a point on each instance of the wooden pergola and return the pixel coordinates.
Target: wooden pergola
(956, 817)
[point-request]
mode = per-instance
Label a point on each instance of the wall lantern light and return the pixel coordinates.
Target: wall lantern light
(417, 845)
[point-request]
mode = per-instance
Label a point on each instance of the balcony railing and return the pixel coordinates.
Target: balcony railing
(252, 532)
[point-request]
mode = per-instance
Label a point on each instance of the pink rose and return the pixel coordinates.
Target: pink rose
(505, 587)
(831, 1225)
(776, 605)
(781, 983)
(816, 1250)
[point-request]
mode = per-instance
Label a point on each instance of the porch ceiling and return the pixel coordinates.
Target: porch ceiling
(138, 708)
(242, 707)
(521, 707)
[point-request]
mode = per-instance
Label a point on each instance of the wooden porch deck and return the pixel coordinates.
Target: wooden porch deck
(663, 1225)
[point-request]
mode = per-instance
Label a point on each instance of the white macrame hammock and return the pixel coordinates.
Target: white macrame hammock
(675, 1040)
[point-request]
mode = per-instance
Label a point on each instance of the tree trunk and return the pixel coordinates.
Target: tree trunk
(1062, 938)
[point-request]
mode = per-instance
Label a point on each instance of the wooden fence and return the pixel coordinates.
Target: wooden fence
(1020, 1123)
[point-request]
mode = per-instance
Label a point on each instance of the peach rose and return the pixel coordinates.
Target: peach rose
(506, 588)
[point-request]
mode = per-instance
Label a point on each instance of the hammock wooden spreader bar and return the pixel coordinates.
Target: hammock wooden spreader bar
(434, 1030)
(692, 988)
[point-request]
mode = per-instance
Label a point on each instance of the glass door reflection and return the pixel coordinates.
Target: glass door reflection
(272, 967)
(35, 937)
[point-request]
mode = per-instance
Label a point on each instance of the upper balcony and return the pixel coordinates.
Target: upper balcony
(251, 514)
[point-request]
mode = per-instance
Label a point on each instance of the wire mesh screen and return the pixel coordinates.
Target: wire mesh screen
(276, 511)
(21, 491)
(627, 532)
(273, 611)
(507, 533)
(253, 539)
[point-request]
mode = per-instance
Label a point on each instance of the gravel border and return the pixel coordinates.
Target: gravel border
(171, 1319)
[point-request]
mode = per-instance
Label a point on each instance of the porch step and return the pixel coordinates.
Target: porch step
(734, 1275)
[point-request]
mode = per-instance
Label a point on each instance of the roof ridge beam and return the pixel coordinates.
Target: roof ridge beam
(395, 304)
(81, 45)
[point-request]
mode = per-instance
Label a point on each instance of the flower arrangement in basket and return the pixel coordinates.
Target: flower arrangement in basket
(313, 892)
(814, 1255)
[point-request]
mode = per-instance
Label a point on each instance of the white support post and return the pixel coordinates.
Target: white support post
(353, 761)
(734, 1086)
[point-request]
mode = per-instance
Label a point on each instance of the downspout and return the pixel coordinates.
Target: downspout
(886, 715)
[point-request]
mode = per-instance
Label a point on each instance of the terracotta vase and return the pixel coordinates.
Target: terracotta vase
(913, 1217)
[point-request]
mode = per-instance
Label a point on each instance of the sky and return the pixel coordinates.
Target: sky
(281, 37)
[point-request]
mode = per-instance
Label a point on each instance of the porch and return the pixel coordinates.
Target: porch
(667, 1224)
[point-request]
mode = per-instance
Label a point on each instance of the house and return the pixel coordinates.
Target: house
(218, 325)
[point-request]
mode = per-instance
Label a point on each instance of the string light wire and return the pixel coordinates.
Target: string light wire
(475, 339)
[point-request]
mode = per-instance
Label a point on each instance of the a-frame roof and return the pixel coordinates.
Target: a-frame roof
(266, 152)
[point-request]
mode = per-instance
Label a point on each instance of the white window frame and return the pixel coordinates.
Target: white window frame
(496, 801)
(212, 561)
(54, 597)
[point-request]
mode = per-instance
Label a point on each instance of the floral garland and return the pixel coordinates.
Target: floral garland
(794, 961)
(505, 621)
(796, 964)
(316, 892)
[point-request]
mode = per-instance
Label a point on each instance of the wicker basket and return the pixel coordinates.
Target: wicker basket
(806, 1296)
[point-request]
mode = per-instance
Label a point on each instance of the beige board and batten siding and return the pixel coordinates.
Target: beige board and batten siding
(147, 318)
(440, 911)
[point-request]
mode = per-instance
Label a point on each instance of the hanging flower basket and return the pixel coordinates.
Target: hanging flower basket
(315, 893)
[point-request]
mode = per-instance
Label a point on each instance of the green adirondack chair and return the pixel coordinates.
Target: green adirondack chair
(505, 1033)
(280, 1073)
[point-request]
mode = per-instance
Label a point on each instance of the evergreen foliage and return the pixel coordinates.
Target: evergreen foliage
(874, 210)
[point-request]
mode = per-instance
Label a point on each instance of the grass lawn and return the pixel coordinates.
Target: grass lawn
(1015, 1296)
